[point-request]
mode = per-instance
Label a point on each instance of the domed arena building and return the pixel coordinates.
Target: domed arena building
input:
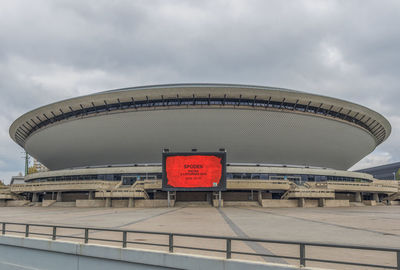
(283, 147)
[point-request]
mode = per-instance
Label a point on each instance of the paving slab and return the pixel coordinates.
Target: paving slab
(369, 226)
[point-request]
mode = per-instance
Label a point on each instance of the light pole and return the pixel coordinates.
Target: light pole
(26, 157)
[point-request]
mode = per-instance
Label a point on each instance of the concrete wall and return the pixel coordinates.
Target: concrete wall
(64, 204)
(279, 203)
(119, 203)
(337, 203)
(46, 203)
(311, 203)
(369, 202)
(3, 203)
(17, 253)
(153, 203)
(90, 203)
(17, 203)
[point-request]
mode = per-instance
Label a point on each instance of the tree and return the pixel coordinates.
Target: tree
(397, 175)
(32, 169)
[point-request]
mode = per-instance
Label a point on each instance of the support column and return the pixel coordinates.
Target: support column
(91, 195)
(131, 203)
(357, 197)
(219, 199)
(321, 202)
(35, 197)
(108, 202)
(375, 197)
(59, 197)
(260, 197)
(169, 198)
(302, 202)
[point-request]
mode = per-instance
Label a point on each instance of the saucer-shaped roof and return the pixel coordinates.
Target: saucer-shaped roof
(254, 124)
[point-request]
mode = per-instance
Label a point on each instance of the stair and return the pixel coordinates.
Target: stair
(136, 190)
(193, 204)
(392, 197)
(64, 204)
(34, 204)
(285, 195)
(242, 203)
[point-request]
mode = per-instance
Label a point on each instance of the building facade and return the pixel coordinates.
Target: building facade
(387, 171)
(281, 144)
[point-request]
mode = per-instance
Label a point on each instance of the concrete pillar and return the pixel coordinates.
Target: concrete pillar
(357, 197)
(375, 197)
(59, 197)
(91, 195)
(35, 197)
(260, 197)
(108, 202)
(321, 202)
(302, 202)
(131, 203)
(169, 198)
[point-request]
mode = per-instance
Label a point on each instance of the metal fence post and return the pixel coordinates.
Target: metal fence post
(3, 230)
(398, 260)
(302, 255)
(124, 236)
(171, 242)
(86, 235)
(26, 230)
(54, 233)
(228, 248)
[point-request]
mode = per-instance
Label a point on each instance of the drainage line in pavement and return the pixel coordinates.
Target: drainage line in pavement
(253, 245)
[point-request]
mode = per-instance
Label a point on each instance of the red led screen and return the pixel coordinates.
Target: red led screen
(193, 171)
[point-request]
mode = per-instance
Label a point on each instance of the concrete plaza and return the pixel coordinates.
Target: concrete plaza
(369, 226)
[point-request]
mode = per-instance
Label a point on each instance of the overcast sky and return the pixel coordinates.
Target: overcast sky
(52, 50)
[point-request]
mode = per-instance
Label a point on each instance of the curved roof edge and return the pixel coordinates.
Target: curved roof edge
(250, 91)
(216, 85)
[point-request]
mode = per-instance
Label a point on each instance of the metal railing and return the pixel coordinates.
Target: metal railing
(228, 251)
